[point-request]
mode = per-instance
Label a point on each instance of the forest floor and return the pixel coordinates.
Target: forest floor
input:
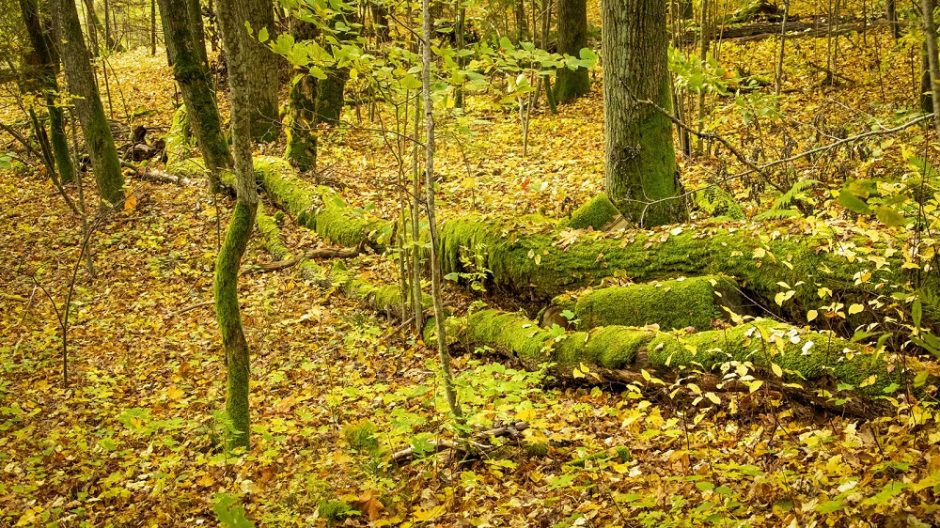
(133, 439)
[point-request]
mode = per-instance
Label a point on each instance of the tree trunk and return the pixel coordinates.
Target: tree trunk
(522, 23)
(232, 17)
(153, 27)
(199, 33)
(41, 38)
(572, 37)
(640, 164)
(301, 148)
(81, 82)
(930, 36)
(263, 74)
(192, 73)
(891, 13)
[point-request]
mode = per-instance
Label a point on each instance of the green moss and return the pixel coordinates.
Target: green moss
(319, 207)
(361, 436)
(597, 213)
(757, 265)
(692, 302)
(804, 355)
(271, 235)
(178, 141)
(515, 334)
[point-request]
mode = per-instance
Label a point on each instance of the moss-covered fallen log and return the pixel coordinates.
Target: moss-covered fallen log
(799, 355)
(696, 302)
(529, 256)
(315, 207)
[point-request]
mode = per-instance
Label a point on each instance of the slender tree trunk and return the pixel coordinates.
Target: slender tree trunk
(198, 30)
(930, 35)
(153, 27)
(572, 37)
(891, 13)
(778, 74)
(522, 24)
(192, 73)
(640, 163)
(232, 15)
(41, 37)
(703, 56)
(439, 314)
(91, 23)
(81, 82)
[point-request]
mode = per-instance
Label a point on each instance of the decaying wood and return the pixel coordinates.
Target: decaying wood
(317, 253)
(480, 442)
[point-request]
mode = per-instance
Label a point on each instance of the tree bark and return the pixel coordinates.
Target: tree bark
(640, 164)
(301, 148)
(232, 17)
(198, 30)
(930, 36)
(41, 37)
(81, 82)
(263, 75)
(572, 37)
(191, 71)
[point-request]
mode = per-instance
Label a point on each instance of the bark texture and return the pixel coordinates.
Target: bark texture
(190, 70)
(301, 148)
(81, 83)
(572, 37)
(640, 165)
(262, 69)
(232, 17)
(41, 37)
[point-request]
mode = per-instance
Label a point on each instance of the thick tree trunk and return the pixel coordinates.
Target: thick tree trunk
(81, 82)
(263, 74)
(232, 17)
(192, 73)
(572, 37)
(640, 164)
(301, 148)
(41, 37)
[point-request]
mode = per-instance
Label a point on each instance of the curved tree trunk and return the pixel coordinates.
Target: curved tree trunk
(190, 70)
(81, 82)
(40, 36)
(572, 37)
(640, 164)
(232, 16)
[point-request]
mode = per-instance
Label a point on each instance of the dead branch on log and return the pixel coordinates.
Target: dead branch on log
(480, 442)
(317, 253)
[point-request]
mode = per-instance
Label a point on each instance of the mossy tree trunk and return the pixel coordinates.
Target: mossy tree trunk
(190, 70)
(198, 29)
(301, 148)
(81, 83)
(232, 17)
(41, 37)
(572, 37)
(640, 164)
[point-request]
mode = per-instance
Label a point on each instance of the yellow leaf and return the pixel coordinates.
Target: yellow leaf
(712, 397)
(812, 314)
(584, 368)
(576, 373)
(870, 380)
(755, 385)
(777, 370)
(856, 308)
(174, 393)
